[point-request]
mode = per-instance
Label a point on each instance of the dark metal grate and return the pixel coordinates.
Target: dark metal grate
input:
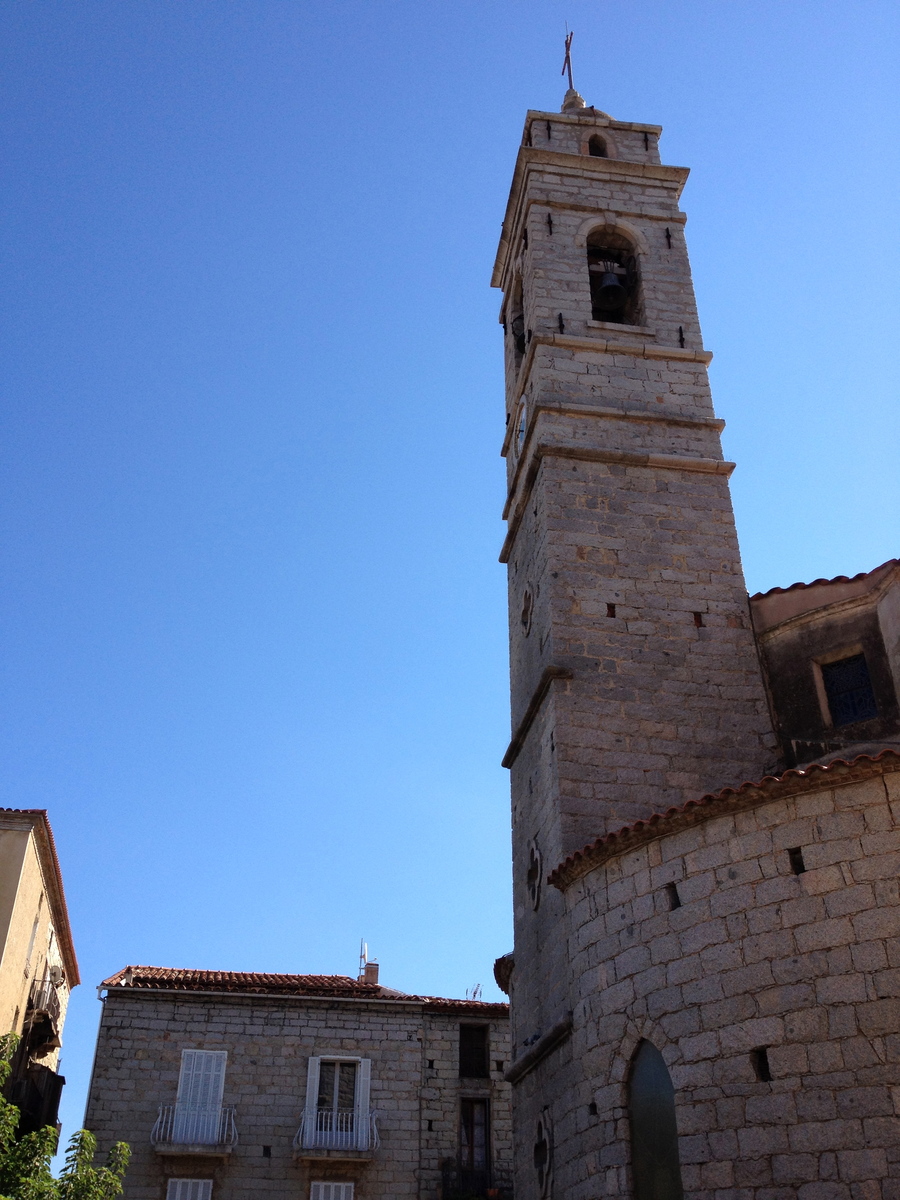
(473, 1052)
(849, 690)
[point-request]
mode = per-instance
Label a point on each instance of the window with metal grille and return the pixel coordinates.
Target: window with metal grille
(473, 1052)
(849, 690)
(330, 1191)
(189, 1189)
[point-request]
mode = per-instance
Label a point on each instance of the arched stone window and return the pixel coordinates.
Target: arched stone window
(597, 147)
(516, 321)
(615, 284)
(655, 1165)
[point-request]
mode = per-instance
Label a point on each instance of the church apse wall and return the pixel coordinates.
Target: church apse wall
(753, 941)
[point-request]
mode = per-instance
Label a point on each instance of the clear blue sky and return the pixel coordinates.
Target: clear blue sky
(252, 407)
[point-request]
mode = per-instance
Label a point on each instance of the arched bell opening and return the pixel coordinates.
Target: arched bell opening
(597, 147)
(655, 1165)
(515, 322)
(615, 283)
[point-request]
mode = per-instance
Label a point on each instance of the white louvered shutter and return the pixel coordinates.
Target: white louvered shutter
(202, 1080)
(189, 1189)
(201, 1086)
(363, 1084)
(331, 1191)
(312, 1095)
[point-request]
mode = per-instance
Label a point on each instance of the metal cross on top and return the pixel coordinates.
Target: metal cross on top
(567, 63)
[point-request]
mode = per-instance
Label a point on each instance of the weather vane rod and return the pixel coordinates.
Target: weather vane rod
(567, 63)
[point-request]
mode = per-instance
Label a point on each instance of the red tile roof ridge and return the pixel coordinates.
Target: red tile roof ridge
(793, 587)
(146, 978)
(796, 779)
(53, 881)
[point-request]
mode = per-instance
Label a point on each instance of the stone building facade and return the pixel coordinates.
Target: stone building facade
(231, 1085)
(706, 970)
(38, 967)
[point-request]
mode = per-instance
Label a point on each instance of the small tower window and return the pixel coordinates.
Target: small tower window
(849, 690)
(597, 147)
(613, 273)
(534, 875)
(521, 428)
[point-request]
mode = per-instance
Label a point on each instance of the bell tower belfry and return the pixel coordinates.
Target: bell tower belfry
(635, 681)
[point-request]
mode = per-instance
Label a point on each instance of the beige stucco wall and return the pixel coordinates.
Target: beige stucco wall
(24, 898)
(269, 1041)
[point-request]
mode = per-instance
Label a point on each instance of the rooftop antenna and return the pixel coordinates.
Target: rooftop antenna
(567, 62)
(474, 993)
(363, 956)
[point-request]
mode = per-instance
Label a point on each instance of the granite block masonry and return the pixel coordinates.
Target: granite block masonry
(268, 1085)
(703, 994)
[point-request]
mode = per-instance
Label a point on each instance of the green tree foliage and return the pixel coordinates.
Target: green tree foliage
(25, 1163)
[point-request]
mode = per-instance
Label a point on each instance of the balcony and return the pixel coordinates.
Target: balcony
(44, 999)
(42, 1015)
(189, 1129)
(336, 1133)
(36, 1095)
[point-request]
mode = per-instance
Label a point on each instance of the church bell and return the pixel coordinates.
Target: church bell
(610, 294)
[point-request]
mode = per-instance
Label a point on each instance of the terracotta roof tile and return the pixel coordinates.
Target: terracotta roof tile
(338, 987)
(715, 804)
(820, 582)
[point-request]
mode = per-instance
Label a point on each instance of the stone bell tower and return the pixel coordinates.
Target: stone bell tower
(635, 680)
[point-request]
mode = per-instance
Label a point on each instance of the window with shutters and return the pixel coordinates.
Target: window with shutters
(473, 1052)
(330, 1191)
(198, 1115)
(189, 1189)
(337, 1113)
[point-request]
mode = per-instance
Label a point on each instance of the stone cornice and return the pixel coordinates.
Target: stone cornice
(748, 795)
(523, 1066)
(636, 349)
(613, 169)
(534, 705)
(590, 116)
(629, 458)
(602, 413)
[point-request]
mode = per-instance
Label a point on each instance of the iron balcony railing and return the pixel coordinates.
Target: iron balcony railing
(193, 1125)
(337, 1129)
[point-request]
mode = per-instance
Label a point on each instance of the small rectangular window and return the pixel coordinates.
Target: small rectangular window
(849, 690)
(189, 1189)
(672, 896)
(319, 1190)
(473, 1052)
(795, 857)
(760, 1060)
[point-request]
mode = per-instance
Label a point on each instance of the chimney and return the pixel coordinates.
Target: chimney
(369, 973)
